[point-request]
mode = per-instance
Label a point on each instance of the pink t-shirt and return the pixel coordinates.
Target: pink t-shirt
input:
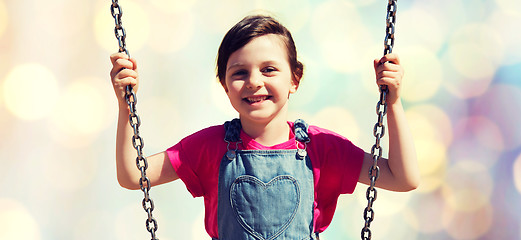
(336, 166)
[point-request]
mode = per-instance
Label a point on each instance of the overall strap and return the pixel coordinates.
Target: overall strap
(301, 131)
(232, 130)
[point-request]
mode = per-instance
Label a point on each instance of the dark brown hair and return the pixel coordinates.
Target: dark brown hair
(249, 28)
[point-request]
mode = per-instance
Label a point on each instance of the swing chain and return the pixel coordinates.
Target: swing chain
(379, 127)
(119, 31)
(135, 122)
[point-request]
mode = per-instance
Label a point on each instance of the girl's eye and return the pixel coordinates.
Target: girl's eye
(240, 73)
(269, 70)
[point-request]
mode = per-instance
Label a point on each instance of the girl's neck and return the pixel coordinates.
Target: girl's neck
(267, 133)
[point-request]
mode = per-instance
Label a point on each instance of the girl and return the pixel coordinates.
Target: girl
(261, 176)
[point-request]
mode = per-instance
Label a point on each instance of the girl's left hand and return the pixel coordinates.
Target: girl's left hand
(389, 72)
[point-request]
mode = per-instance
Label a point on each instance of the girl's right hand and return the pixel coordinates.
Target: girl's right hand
(123, 73)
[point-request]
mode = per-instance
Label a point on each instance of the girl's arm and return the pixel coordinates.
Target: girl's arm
(123, 73)
(400, 172)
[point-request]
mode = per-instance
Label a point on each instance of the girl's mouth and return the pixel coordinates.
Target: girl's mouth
(256, 99)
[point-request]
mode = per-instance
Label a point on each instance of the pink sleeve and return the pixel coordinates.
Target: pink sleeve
(339, 159)
(196, 159)
(181, 163)
(352, 167)
(336, 168)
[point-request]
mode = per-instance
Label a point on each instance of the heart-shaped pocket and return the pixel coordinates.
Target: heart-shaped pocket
(265, 210)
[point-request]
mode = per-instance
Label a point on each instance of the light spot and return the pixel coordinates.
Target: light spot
(173, 6)
(506, 22)
(82, 112)
(340, 48)
(428, 216)
(221, 15)
(391, 203)
(431, 182)
(221, 100)
(462, 225)
(4, 18)
(71, 170)
(432, 156)
(93, 225)
(394, 225)
(432, 133)
(430, 122)
(338, 120)
(294, 14)
(135, 21)
(362, 3)
(171, 33)
(16, 222)
(484, 131)
(509, 6)
(417, 84)
(80, 109)
(30, 91)
(475, 51)
(413, 32)
(517, 173)
(498, 104)
(468, 186)
(430, 148)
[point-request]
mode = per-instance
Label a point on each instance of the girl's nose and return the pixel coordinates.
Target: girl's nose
(254, 81)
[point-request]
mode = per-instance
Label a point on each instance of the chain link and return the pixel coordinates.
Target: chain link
(379, 127)
(135, 122)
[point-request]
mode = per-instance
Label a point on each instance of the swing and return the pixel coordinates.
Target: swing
(137, 141)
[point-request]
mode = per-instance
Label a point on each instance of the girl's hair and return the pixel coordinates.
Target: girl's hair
(249, 28)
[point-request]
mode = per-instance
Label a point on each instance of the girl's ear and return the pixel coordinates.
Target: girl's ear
(294, 85)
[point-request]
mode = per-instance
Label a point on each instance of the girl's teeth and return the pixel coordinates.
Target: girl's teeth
(256, 99)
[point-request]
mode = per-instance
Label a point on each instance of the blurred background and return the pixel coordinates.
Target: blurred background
(462, 95)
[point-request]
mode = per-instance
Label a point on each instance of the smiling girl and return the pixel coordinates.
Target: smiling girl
(261, 176)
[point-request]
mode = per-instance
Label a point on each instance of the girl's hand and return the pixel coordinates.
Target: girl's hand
(389, 72)
(123, 73)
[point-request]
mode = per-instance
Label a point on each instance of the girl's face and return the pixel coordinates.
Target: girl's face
(259, 79)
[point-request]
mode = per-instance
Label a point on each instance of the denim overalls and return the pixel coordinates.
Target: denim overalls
(265, 194)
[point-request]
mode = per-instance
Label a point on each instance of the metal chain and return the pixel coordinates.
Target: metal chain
(379, 127)
(135, 122)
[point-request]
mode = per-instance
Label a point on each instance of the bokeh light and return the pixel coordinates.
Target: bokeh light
(517, 173)
(432, 133)
(3, 18)
(505, 22)
(338, 43)
(30, 91)
(468, 225)
(427, 215)
(81, 109)
(173, 35)
(509, 6)
(173, 6)
(422, 79)
(16, 222)
(93, 225)
(338, 120)
(137, 27)
(71, 171)
(498, 104)
(296, 13)
(468, 186)
(475, 51)
(420, 28)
